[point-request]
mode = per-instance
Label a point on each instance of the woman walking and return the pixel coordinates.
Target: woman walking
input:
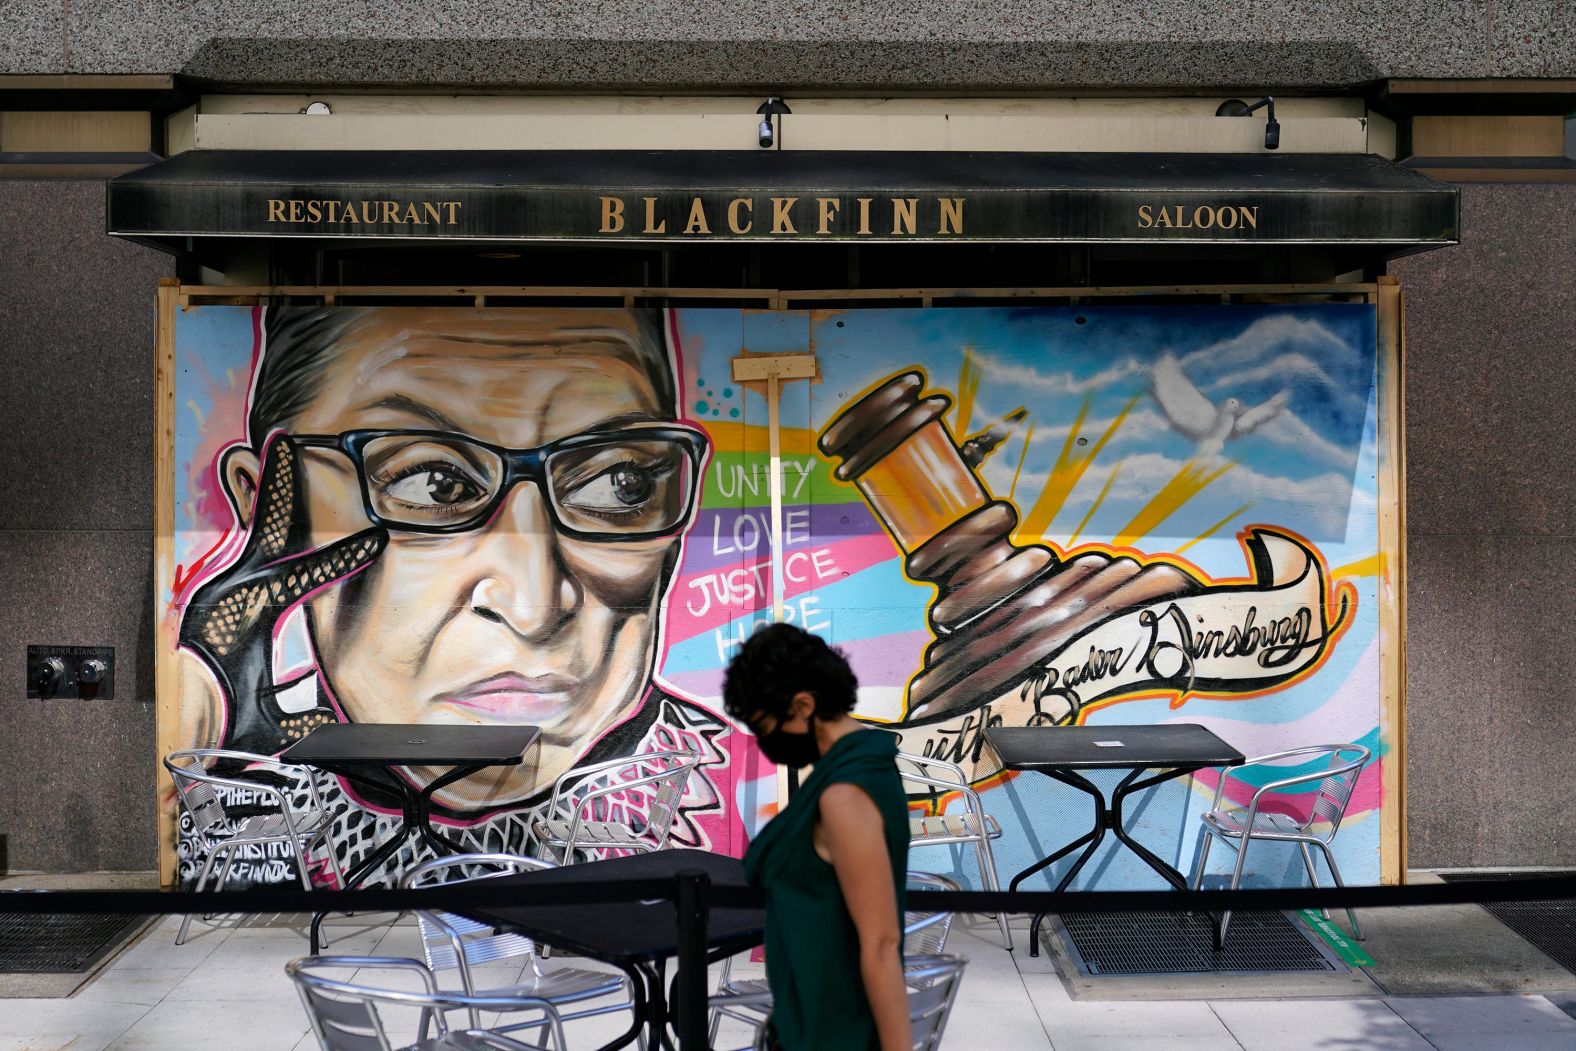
(832, 861)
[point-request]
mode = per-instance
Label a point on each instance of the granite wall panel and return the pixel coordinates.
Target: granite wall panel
(1532, 38)
(927, 45)
(35, 36)
(1491, 405)
(77, 777)
(1490, 373)
(1489, 713)
(76, 341)
(76, 541)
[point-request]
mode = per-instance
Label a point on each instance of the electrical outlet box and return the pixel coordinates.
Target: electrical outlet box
(86, 672)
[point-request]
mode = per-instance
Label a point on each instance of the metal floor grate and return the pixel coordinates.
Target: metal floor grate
(1549, 925)
(1183, 943)
(60, 943)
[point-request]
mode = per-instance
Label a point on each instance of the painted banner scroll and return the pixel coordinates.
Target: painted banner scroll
(1040, 516)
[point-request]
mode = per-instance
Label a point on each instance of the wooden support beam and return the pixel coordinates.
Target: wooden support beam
(1392, 580)
(775, 299)
(166, 679)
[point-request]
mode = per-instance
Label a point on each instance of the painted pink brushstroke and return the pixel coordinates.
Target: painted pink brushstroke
(850, 556)
(1366, 796)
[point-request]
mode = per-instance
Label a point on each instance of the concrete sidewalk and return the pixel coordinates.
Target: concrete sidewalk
(1459, 982)
(1449, 978)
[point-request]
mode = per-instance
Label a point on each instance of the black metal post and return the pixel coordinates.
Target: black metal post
(689, 1013)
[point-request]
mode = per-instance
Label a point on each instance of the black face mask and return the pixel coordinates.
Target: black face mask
(786, 748)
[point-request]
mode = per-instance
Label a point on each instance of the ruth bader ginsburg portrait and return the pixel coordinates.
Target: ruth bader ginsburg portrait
(450, 516)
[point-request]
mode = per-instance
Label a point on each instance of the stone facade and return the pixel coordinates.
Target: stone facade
(1491, 386)
(932, 46)
(76, 525)
(1490, 376)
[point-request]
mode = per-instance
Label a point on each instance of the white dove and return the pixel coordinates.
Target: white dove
(1192, 413)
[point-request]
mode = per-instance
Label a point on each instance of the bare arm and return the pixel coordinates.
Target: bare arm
(851, 830)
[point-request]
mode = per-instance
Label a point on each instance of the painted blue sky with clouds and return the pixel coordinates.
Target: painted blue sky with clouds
(1311, 467)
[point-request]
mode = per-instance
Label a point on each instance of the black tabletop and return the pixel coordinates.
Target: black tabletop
(412, 744)
(1167, 745)
(626, 932)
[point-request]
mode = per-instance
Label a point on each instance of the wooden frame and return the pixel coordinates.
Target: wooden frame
(776, 299)
(1392, 578)
(166, 682)
(1385, 294)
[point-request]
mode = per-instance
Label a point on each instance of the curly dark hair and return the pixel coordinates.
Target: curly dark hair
(779, 661)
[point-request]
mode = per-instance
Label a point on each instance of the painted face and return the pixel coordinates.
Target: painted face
(512, 621)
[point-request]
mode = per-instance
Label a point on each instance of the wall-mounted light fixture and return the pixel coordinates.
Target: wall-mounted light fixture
(1238, 108)
(317, 109)
(767, 134)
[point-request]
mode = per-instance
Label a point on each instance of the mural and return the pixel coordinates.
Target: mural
(1043, 516)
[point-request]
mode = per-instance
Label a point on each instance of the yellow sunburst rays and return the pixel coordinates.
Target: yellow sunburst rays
(969, 375)
(1212, 530)
(1070, 467)
(1190, 480)
(1372, 566)
(1023, 458)
(1072, 541)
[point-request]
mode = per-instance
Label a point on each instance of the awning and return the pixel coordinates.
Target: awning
(696, 196)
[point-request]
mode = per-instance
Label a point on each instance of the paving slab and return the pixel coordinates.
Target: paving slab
(1160, 1040)
(997, 1026)
(156, 949)
(1133, 1021)
(1450, 1017)
(1564, 1001)
(1449, 950)
(1318, 1025)
(1045, 991)
(37, 1025)
(245, 1026)
(1504, 1042)
(118, 985)
(990, 977)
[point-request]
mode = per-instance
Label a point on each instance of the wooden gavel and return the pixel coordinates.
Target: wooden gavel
(1002, 609)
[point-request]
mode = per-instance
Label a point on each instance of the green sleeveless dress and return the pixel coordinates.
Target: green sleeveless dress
(812, 946)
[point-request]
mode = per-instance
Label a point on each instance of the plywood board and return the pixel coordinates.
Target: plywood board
(771, 331)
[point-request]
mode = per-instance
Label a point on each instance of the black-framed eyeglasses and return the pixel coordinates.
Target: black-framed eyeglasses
(635, 483)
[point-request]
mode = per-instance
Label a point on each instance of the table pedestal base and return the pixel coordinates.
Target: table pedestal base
(1107, 818)
(653, 1005)
(415, 821)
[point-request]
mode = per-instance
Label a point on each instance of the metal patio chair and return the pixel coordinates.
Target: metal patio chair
(345, 1015)
(219, 833)
(451, 942)
(625, 805)
(925, 933)
(932, 982)
(1315, 825)
(749, 1000)
(971, 827)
